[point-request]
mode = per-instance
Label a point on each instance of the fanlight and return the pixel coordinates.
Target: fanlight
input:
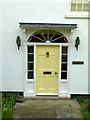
(48, 36)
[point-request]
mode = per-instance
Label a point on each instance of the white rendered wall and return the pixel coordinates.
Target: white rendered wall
(79, 73)
(0, 47)
(54, 12)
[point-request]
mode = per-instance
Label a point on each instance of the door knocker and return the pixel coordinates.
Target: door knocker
(47, 54)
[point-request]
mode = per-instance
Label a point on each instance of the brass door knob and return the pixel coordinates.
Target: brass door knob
(56, 73)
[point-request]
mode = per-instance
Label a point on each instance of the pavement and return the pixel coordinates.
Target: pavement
(47, 108)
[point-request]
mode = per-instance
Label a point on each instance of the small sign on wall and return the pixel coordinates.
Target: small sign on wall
(77, 62)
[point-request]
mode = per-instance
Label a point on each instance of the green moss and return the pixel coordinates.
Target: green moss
(7, 114)
(86, 115)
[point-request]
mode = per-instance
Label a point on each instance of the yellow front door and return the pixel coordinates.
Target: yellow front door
(47, 69)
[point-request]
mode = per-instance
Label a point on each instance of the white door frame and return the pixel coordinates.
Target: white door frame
(33, 93)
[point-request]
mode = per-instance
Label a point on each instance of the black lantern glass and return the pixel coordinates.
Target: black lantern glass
(18, 42)
(77, 42)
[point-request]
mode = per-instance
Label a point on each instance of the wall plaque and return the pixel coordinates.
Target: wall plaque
(78, 62)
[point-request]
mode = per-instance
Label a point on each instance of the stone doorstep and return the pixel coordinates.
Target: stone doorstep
(47, 98)
(68, 113)
(37, 114)
(47, 109)
(49, 114)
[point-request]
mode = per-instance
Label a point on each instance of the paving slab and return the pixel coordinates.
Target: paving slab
(47, 108)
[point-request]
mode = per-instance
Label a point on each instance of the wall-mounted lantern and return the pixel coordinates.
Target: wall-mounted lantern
(77, 42)
(18, 42)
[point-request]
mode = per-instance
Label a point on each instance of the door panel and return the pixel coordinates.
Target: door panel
(47, 69)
